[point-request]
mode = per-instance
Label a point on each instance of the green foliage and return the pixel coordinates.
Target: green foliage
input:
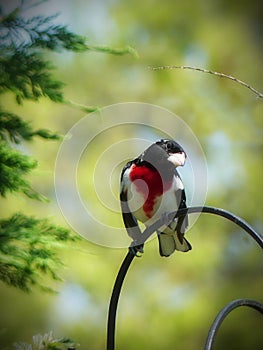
(23, 69)
(13, 166)
(14, 129)
(27, 250)
(28, 76)
(40, 32)
(27, 244)
(46, 342)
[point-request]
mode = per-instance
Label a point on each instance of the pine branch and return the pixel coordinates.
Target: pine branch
(114, 51)
(39, 32)
(13, 128)
(27, 245)
(84, 108)
(23, 70)
(27, 250)
(13, 167)
(28, 76)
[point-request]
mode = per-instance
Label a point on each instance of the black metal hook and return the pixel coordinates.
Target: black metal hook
(224, 312)
(145, 235)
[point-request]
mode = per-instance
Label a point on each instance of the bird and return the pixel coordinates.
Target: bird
(150, 188)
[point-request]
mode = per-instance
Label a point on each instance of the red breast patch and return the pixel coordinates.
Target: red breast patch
(151, 186)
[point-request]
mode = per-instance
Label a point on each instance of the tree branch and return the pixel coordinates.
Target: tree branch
(221, 75)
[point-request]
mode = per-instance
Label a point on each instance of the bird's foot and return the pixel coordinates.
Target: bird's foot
(136, 249)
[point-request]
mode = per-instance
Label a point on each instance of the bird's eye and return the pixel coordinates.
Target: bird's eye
(169, 146)
(172, 147)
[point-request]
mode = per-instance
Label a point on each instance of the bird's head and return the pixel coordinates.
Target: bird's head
(164, 155)
(174, 152)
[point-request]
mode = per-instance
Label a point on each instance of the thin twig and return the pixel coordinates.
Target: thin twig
(221, 75)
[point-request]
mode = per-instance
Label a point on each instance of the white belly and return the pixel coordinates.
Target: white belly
(163, 204)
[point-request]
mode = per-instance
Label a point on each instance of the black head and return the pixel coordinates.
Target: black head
(175, 152)
(162, 151)
(170, 146)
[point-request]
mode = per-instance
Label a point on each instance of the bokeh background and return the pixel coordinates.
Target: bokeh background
(165, 303)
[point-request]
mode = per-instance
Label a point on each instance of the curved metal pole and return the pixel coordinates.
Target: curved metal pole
(224, 312)
(211, 210)
(145, 235)
(115, 298)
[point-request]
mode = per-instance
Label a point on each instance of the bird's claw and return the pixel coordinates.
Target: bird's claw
(136, 250)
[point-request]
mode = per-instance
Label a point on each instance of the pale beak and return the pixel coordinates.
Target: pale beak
(178, 159)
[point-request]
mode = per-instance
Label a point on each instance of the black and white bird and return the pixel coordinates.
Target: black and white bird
(150, 188)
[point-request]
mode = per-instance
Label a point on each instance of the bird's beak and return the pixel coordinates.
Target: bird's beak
(178, 159)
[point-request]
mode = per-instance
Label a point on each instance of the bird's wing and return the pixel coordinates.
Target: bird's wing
(182, 221)
(129, 220)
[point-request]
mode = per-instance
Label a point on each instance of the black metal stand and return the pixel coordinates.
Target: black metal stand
(145, 235)
(115, 298)
(224, 312)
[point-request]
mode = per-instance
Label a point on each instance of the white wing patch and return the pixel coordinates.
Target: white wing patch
(178, 183)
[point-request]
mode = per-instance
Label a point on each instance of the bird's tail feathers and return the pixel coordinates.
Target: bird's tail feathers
(169, 242)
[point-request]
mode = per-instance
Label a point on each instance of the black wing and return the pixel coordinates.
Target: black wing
(129, 220)
(182, 222)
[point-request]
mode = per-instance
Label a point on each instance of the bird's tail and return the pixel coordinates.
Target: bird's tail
(169, 242)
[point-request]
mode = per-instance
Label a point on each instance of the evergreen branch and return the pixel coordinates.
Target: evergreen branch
(27, 245)
(114, 51)
(221, 75)
(15, 129)
(46, 134)
(13, 167)
(84, 108)
(10, 17)
(24, 72)
(39, 32)
(27, 250)
(57, 38)
(28, 76)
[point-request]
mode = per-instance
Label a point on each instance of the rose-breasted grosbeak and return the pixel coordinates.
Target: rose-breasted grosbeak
(150, 188)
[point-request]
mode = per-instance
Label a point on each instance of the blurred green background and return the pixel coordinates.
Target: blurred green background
(165, 303)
